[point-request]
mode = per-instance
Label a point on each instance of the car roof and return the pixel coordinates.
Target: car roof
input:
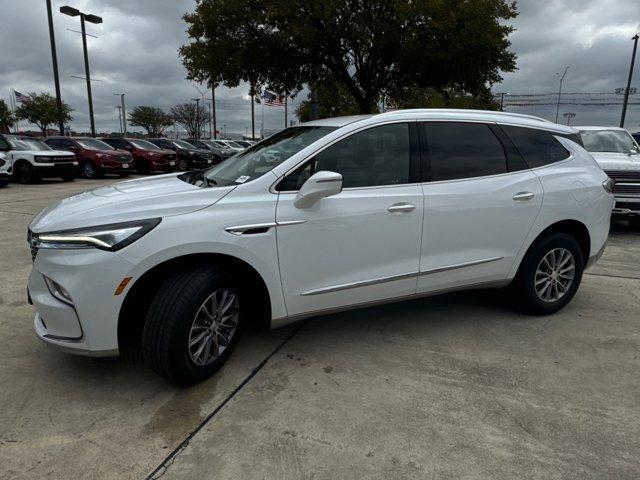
(590, 127)
(448, 114)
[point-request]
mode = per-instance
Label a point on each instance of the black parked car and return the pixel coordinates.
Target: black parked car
(189, 157)
(218, 153)
(636, 137)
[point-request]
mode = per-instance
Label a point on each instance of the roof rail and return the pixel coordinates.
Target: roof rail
(462, 110)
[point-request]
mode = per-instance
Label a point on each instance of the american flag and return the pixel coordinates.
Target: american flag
(273, 100)
(20, 97)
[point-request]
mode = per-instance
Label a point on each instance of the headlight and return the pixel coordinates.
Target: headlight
(105, 237)
(608, 185)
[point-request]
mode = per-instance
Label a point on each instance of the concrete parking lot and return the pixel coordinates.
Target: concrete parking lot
(457, 386)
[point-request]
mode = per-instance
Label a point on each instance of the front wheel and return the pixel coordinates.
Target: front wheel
(183, 164)
(25, 173)
(89, 170)
(193, 325)
(549, 274)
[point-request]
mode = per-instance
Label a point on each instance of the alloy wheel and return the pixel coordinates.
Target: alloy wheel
(555, 274)
(214, 326)
(89, 170)
(183, 165)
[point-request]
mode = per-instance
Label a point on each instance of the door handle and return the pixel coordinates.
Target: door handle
(521, 196)
(401, 208)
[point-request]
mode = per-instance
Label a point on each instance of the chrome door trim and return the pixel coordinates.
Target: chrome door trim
(522, 196)
(240, 229)
(402, 207)
(459, 265)
(364, 283)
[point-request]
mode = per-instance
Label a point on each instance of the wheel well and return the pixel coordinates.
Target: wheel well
(576, 229)
(138, 300)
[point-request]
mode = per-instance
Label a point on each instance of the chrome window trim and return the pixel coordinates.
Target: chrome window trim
(459, 265)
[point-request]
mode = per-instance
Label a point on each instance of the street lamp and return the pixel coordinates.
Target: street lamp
(56, 78)
(74, 12)
(124, 113)
(627, 91)
(197, 118)
(560, 90)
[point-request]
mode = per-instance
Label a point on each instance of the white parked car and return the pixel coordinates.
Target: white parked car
(32, 159)
(232, 145)
(5, 170)
(617, 152)
(359, 211)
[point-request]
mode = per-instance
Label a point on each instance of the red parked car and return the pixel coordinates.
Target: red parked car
(147, 157)
(94, 157)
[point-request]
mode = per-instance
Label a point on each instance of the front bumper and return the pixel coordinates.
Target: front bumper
(202, 162)
(47, 170)
(90, 325)
(627, 206)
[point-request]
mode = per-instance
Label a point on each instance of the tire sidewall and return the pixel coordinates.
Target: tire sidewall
(526, 275)
(89, 170)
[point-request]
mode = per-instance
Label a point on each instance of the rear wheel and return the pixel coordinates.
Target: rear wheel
(25, 173)
(193, 325)
(550, 274)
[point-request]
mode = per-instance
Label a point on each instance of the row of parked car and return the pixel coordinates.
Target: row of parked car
(29, 159)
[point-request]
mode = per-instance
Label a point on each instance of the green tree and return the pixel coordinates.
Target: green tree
(191, 117)
(373, 48)
(6, 117)
(333, 101)
(41, 110)
(154, 120)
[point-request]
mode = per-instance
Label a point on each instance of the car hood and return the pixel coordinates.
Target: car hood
(617, 161)
(138, 199)
(46, 153)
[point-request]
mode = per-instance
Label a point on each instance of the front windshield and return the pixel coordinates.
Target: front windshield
(144, 145)
(615, 141)
(264, 156)
(234, 144)
(93, 144)
(197, 144)
(27, 144)
(220, 144)
(182, 144)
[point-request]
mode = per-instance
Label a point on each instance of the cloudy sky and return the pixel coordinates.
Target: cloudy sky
(136, 53)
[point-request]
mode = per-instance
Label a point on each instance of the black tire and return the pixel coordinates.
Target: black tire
(183, 165)
(89, 170)
(24, 173)
(634, 223)
(165, 336)
(68, 178)
(528, 300)
(142, 166)
(4, 183)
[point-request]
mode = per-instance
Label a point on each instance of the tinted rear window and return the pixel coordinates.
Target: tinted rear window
(538, 147)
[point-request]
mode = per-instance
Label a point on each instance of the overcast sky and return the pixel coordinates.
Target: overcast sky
(136, 53)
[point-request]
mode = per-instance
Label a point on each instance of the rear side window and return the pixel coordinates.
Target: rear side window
(538, 147)
(463, 150)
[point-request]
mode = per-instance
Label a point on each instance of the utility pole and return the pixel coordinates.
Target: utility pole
(213, 111)
(123, 114)
(252, 94)
(502, 95)
(56, 78)
(198, 125)
(285, 110)
(626, 93)
(313, 107)
(569, 116)
(119, 107)
(74, 12)
(560, 91)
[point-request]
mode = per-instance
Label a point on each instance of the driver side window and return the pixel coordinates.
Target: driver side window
(374, 157)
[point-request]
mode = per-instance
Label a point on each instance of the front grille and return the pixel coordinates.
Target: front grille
(169, 156)
(122, 158)
(33, 244)
(63, 159)
(627, 188)
(623, 175)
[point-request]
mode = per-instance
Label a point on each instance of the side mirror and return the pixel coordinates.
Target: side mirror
(73, 148)
(319, 185)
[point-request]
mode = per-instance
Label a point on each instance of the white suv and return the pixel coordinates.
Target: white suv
(32, 159)
(356, 211)
(618, 154)
(5, 170)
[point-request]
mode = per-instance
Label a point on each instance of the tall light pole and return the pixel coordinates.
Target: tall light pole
(56, 78)
(560, 91)
(74, 12)
(119, 107)
(213, 110)
(626, 93)
(123, 114)
(197, 100)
